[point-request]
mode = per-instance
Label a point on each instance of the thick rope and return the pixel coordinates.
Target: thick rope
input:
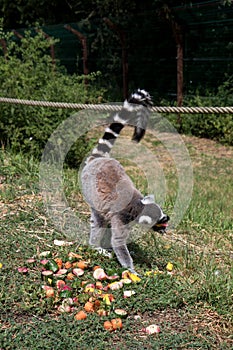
(109, 107)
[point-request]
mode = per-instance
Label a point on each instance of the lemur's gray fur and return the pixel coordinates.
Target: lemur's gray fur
(115, 202)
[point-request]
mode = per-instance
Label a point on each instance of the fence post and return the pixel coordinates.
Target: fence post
(83, 41)
(52, 50)
(17, 34)
(177, 31)
(178, 34)
(125, 66)
(4, 47)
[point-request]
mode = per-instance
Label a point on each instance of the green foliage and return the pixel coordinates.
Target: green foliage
(218, 127)
(27, 72)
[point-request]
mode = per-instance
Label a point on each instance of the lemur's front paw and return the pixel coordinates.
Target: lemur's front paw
(104, 252)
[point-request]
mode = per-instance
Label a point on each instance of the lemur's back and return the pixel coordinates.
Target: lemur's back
(106, 186)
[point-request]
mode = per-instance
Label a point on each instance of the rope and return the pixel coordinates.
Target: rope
(109, 107)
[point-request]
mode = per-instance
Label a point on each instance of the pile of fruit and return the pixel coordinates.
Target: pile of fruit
(76, 286)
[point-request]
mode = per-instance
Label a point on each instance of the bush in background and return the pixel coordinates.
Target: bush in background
(218, 127)
(27, 72)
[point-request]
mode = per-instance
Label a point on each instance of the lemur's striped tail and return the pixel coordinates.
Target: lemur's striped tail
(134, 112)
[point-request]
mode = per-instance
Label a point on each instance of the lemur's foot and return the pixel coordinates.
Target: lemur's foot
(135, 273)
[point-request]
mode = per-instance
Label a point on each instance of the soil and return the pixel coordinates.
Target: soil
(209, 147)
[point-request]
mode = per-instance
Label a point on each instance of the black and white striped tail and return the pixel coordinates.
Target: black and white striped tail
(134, 112)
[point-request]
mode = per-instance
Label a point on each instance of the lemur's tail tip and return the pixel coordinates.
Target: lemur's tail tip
(142, 97)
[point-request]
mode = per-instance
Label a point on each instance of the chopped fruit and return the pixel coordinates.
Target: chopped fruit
(68, 265)
(126, 280)
(70, 276)
(73, 255)
(169, 266)
(116, 323)
(46, 275)
(22, 269)
(29, 261)
(82, 264)
(59, 262)
(89, 307)
(132, 276)
(108, 299)
(81, 315)
(99, 274)
(99, 285)
(74, 282)
(61, 273)
(121, 313)
(128, 293)
(115, 285)
(97, 304)
(64, 308)
(45, 254)
(60, 284)
(62, 243)
(108, 326)
(90, 288)
(153, 328)
(49, 292)
(102, 312)
(78, 272)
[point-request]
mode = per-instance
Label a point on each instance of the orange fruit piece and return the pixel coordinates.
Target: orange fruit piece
(108, 326)
(89, 306)
(68, 265)
(74, 255)
(70, 276)
(81, 315)
(82, 264)
(116, 323)
(97, 304)
(59, 262)
(49, 292)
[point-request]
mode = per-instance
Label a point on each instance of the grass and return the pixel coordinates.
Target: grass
(193, 306)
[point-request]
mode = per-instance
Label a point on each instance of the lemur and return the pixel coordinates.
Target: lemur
(114, 201)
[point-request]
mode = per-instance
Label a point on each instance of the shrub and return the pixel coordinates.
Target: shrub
(27, 72)
(214, 126)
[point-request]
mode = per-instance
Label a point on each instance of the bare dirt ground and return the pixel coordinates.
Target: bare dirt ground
(209, 147)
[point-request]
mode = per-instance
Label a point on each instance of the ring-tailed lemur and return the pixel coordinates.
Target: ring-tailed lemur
(114, 201)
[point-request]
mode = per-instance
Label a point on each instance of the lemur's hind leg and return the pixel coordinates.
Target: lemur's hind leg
(99, 229)
(119, 237)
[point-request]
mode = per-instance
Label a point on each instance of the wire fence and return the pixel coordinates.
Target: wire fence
(115, 107)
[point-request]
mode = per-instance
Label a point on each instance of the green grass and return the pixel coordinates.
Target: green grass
(193, 306)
